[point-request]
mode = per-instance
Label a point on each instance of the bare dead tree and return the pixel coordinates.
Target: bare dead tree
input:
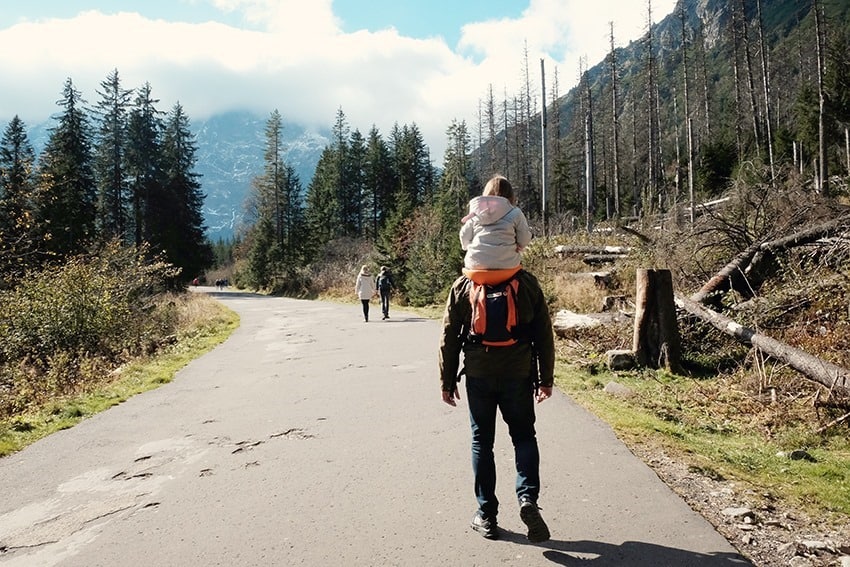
(687, 120)
(635, 185)
(829, 375)
(506, 167)
(615, 126)
(823, 180)
(589, 173)
(705, 91)
(766, 87)
(751, 90)
(739, 106)
(490, 111)
(543, 169)
(555, 131)
(653, 134)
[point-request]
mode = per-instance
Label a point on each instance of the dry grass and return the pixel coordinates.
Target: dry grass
(202, 323)
(732, 407)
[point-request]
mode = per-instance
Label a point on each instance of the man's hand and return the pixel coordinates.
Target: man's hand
(450, 397)
(544, 393)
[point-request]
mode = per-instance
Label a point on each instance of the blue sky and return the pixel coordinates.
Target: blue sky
(383, 62)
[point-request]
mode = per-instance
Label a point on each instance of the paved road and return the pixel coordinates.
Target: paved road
(313, 438)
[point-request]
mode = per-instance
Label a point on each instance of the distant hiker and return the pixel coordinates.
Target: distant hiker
(384, 283)
(494, 233)
(507, 375)
(364, 289)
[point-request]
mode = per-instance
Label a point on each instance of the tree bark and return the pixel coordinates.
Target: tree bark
(832, 376)
(615, 126)
(656, 333)
(766, 86)
(724, 279)
(823, 173)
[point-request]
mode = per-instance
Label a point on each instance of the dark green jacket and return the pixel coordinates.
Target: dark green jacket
(483, 361)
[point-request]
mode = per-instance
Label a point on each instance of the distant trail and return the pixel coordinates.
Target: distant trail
(313, 438)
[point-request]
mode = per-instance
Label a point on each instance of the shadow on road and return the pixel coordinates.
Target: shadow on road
(235, 294)
(631, 553)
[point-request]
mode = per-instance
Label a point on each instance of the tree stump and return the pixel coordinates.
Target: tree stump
(656, 342)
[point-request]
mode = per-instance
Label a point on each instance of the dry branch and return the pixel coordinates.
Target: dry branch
(832, 376)
(834, 422)
(720, 281)
(808, 235)
(750, 260)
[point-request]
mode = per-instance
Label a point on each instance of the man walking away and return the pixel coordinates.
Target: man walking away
(503, 378)
(384, 283)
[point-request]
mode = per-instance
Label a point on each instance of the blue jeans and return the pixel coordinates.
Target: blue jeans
(514, 398)
(385, 302)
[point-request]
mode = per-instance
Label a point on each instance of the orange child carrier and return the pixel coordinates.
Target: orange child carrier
(494, 313)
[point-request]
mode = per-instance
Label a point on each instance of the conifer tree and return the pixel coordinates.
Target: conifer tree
(378, 180)
(322, 213)
(358, 200)
(183, 236)
(144, 131)
(66, 183)
(277, 245)
(435, 255)
(110, 147)
(17, 163)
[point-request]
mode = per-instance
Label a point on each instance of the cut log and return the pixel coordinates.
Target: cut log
(597, 259)
(829, 375)
(563, 250)
(639, 235)
(656, 333)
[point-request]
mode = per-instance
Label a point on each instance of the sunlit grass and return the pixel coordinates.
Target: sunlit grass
(724, 443)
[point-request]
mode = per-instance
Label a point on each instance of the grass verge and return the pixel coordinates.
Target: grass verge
(703, 423)
(205, 324)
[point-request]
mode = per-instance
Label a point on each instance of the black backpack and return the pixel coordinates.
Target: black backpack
(385, 282)
(494, 319)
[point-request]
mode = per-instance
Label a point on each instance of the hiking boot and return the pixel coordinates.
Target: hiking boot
(530, 514)
(485, 526)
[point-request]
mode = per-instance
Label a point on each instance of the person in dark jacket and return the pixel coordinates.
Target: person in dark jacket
(384, 283)
(508, 379)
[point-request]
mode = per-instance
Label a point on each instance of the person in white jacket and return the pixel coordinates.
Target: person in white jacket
(494, 233)
(364, 288)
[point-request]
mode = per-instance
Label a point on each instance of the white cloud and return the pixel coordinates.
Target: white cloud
(295, 58)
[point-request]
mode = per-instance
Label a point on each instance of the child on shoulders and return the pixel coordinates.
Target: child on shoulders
(494, 234)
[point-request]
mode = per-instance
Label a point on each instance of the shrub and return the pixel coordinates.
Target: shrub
(65, 323)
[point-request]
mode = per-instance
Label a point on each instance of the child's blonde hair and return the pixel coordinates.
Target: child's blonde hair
(499, 186)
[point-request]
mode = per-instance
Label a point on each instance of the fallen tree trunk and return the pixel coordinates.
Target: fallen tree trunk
(722, 280)
(767, 250)
(598, 259)
(563, 250)
(747, 264)
(807, 235)
(832, 376)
